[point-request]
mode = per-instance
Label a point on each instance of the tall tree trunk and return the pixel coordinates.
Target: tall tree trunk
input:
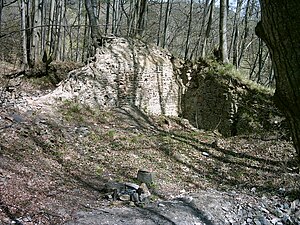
(95, 31)
(187, 41)
(49, 42)
(159, 23)
(142, 17)
(235, 34)
(208, 28)
(37, 22)
(119, 17)
(168, 10)
(223, 31)
(116, 16)
(28, 29)
(280, 29)
(44, 25)
(86, 38)
(78, 30)
(246, 29)
(131, 17)
(60, 31)
(24, 36)
(107, 16)
(1, 7)
(202, 27)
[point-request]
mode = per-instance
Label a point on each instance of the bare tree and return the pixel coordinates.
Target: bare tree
(236, 34)
(142, 17)
(94, 24)
(187, 41)
(107, 16)
(208, 28)
(159, 23)
(1, 7)
(167, 14)
(248, 12)
(24, 37)
(223, 32)
(200, 36)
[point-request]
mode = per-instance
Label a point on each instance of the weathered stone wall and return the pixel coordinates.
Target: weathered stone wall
(125, 72)
(216, 101)
(208, 104)
(130, 72)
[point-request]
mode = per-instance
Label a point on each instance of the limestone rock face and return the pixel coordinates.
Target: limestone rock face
(125, 72)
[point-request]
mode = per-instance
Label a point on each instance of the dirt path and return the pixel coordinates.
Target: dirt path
(206, 207)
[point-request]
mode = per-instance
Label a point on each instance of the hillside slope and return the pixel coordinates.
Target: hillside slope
(55, 160)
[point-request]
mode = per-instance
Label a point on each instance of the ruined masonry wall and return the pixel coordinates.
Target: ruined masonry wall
(125, 72)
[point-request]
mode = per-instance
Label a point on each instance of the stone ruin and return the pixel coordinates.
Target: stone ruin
(122, 72)
(130, 72)
(217, 101)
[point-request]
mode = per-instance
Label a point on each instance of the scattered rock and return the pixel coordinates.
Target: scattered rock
(82, 131)
(125, 197)
(131, 186)
(143, 192)
(205, 154)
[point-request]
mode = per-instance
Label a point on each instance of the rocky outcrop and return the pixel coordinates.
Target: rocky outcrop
(125, 72)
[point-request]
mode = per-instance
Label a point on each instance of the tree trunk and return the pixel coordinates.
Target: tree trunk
(159, 23)
(167, 13)
(223, 32)
(49, 42)
(187, 41)
(1, 7)
(249, 9)
(142, 17)
(280, 29)
(24, 36)
(95, 32)
(36, 20)
(208, 29)
(107, 16)
(235, 34)
(200, 38)
(78, 30)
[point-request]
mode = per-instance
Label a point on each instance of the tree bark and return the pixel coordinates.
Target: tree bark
(280, 29)
(223, 32)
(187, 41)
(1, 7)
(107, 16)
(95, 32)
(249, 8)
(142, 17)
(159, 23)
(167, 13)
(235, 34)
(24, 36)
(208, 28)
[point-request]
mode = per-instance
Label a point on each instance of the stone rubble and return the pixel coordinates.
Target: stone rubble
(128, 192)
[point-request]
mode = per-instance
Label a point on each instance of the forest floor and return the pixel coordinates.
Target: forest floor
(56, 160)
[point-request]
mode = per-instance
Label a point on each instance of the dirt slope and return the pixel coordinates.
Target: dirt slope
(55, 162)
